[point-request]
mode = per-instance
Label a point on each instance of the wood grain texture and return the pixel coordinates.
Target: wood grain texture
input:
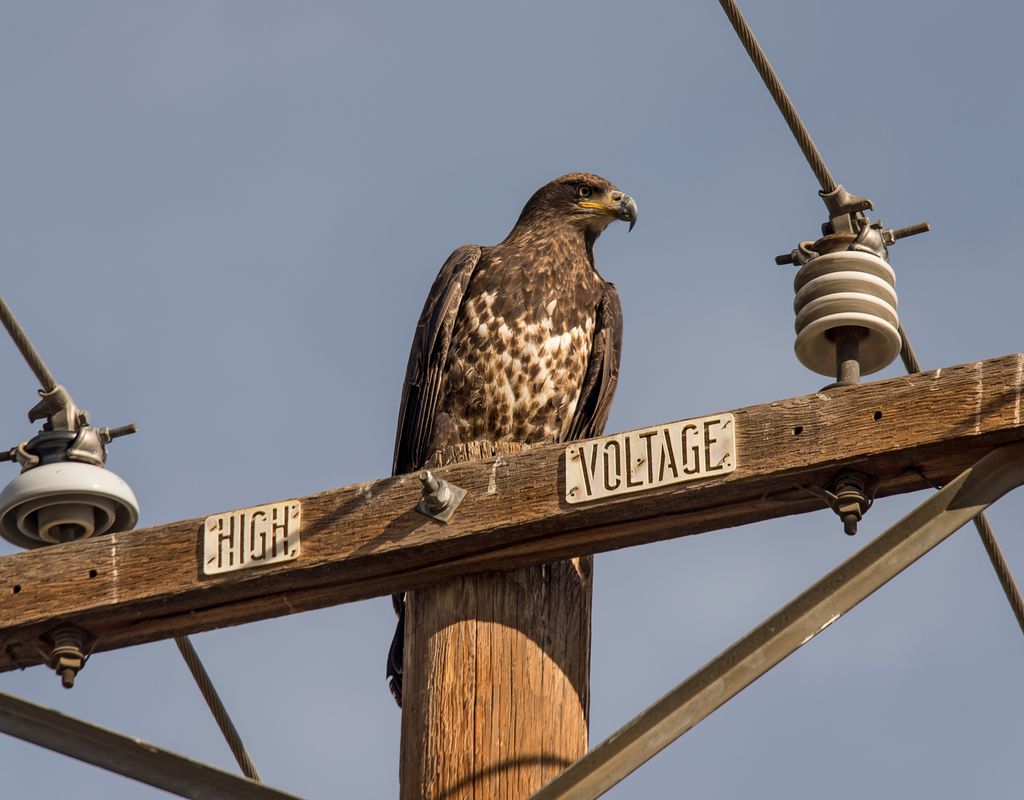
(496, 682)
(367, 540)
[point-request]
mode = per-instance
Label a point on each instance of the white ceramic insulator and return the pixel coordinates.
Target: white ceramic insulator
(846, 289)
(44, 504)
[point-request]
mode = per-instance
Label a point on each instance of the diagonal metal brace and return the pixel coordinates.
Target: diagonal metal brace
(782, 634)
(132, 758)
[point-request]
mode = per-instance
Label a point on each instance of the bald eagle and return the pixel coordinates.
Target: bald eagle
(517, 342)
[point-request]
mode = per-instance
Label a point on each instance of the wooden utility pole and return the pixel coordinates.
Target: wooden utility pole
(497, 675)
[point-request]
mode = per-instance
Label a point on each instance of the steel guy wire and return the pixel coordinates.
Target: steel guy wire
(988, 538)
(778, 93)
(220, 714)
(28, 352)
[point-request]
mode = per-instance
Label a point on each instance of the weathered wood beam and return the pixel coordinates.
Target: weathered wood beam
(367, 540)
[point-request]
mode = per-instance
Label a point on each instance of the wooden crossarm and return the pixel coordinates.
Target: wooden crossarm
(367, 540)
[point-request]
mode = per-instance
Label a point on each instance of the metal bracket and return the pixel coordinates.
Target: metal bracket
(60, 411)
(839, 201)
(849, 228)
(87, 445)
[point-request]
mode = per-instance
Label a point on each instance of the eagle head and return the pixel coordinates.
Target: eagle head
(582, 200)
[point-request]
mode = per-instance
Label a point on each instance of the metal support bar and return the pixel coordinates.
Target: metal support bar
(795, 625)
(132, 758)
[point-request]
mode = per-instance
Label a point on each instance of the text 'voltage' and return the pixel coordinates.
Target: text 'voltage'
(635, 461)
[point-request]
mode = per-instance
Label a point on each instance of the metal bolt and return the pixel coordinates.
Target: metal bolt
(850, 520)
(106, 434)
(440, 498)
(436, 494)
(892, 236)
(850, 499)
(67, 657)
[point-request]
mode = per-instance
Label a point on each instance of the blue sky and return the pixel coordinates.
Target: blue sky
(220, 220)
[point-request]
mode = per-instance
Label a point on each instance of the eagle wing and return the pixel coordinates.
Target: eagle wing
(602, 375)
(424, 377)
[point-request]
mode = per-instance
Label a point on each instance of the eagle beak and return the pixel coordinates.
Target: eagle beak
(627, 210)
(616, 203)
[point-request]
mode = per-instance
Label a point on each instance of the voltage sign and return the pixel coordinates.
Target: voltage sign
(636, 461)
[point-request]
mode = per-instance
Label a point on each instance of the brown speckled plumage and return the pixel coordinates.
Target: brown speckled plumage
(519, 341)
(514, 370)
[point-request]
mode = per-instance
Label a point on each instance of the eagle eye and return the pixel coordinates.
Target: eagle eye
(583, 190)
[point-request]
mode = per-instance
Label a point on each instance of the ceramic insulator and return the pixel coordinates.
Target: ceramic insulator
(846, 289)
(65, 500)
